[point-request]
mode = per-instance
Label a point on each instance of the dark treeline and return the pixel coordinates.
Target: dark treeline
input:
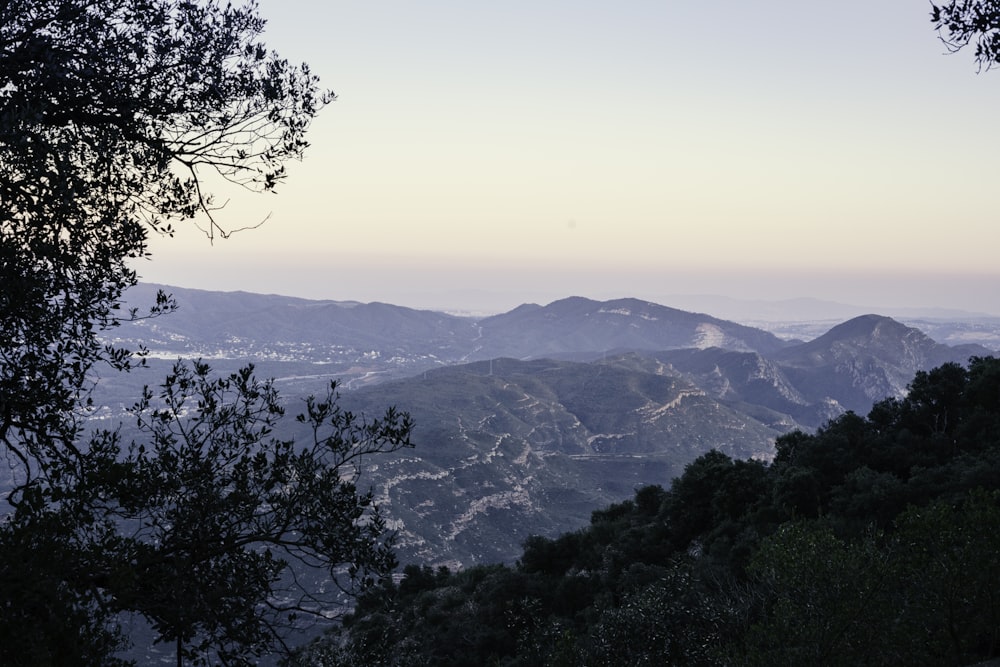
(874, 541)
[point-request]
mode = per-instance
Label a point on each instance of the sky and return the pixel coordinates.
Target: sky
(486, 154)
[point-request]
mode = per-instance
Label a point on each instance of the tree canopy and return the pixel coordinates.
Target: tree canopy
(116, 119)
(872, 541)
(112, 115)
(963, 22)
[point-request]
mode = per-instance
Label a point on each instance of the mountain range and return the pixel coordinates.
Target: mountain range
(529, 420)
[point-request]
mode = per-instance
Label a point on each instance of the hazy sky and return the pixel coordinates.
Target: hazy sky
(483, 154)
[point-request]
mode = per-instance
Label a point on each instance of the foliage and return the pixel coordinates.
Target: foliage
(963, 22)
(205, 523)
(112, 115)
(51, 613)
(118, 119)
(122, 106)
(218, 510)
(871, 541)
(673, 620)
(948, 561)
(923, 594)
(825, 601)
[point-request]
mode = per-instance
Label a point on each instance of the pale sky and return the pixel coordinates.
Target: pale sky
(485, 154)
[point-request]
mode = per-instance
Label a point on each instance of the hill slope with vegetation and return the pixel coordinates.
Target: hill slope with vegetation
(875, 540)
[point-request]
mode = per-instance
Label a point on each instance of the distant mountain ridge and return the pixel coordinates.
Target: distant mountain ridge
(871, 353)
(853, 364)
(573, 325)
(529, 420)
(204, 318)
(576, 325)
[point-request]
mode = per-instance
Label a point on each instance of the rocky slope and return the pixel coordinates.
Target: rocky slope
(508, 448)
(571, 406)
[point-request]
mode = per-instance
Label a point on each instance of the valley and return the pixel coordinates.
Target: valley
(528, 421)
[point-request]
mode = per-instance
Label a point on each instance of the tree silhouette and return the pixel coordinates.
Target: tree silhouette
(115, 118)
(964, 22)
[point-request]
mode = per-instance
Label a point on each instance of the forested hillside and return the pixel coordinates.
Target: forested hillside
(875, 540)
(154, 510)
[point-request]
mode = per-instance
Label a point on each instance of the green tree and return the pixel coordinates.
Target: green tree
(224, 519)
(949, 566)
(207, 525)
(674, 620)
(825, 601)
(924, 593)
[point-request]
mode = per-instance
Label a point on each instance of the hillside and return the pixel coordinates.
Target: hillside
(358, 337)
(865, 359)
(506, 449)
(867, 543)
(528, 421)
(577, 325)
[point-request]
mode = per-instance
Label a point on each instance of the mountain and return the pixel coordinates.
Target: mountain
(853, 365)
(756, 384)
(507, 448)
(577, 325)
(529, 420)
(866, 359)
(279, 326)
(366, 343)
